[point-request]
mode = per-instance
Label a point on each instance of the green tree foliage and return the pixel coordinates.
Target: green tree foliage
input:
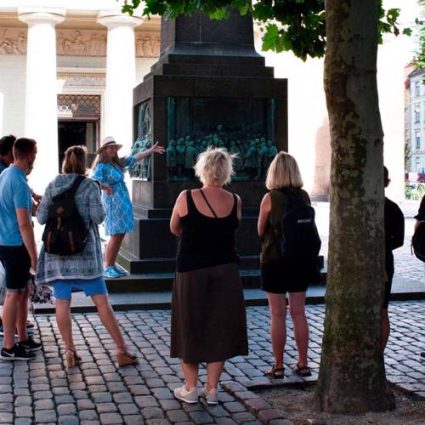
(287, 25)
(420, 58)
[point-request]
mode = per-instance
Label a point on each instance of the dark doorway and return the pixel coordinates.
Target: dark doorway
(77, 133)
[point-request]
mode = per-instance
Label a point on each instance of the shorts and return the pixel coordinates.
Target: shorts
(17, 263)
(282, 276)
(63, 288)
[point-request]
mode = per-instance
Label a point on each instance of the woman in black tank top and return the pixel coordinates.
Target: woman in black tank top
(208, 314)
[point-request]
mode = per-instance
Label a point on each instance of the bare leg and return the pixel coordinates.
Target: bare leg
(109, 320)
(190, 372)
(10, 315)
(299, 319)
(21, 320)
(112, 249)
(215, 370)
(277, 305)
(64, 321)
(385, 328)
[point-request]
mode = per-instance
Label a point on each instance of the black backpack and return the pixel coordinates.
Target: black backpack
(418, 241)
(65, 232)
(299, 237)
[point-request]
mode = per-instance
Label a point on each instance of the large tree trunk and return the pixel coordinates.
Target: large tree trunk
(352, 374)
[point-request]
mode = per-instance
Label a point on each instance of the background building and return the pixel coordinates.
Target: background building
(416, 121)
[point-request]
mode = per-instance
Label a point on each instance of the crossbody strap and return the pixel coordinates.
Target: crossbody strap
(208, 204)
(73, 189)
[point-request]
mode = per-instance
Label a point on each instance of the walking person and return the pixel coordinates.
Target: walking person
(83, 270)
(18, 251)
(282, 274)
(208, 321)
(394, 238)
(109, 170)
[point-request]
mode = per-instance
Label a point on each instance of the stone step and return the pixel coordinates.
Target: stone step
(157, 282)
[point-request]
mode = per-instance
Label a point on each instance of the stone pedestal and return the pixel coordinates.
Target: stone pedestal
(211, 71)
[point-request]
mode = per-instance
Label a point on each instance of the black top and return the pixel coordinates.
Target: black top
(394, 233)
(206, 241)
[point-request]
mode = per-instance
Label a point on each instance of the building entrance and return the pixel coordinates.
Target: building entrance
(78, 123)
(72, 132)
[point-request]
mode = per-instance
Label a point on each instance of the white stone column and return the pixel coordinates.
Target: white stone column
(41, 121)
(120, 76)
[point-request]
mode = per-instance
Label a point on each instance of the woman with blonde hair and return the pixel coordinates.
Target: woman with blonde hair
(109, 170)
(208, 314)
(84, 270)
(281, 273)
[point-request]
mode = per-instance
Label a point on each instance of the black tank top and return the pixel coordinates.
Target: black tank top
(206, 241)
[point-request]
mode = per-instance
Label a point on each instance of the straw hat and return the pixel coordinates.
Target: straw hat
(108, 141)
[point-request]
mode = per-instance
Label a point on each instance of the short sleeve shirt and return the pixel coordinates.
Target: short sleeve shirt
(15, 193)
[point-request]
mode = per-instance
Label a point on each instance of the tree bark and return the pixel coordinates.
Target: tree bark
(352, 374)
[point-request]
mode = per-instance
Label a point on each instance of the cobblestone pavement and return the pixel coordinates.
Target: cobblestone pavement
(43, 392)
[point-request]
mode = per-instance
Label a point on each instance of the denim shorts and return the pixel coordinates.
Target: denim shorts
(17, 264)
(63, 288)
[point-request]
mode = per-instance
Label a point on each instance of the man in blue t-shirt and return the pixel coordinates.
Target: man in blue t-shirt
(18, 251)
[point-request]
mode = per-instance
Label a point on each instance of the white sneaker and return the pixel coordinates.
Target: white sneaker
(210, 396)
(183, 394)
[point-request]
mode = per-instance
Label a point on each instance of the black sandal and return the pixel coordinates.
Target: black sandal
(302, 370)
(275, 372)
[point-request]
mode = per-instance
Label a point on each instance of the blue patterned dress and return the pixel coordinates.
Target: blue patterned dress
(119, 211)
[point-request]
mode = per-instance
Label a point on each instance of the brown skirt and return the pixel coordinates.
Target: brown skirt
(208, 322)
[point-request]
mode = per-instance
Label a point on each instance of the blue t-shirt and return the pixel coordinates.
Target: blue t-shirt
(14, 193)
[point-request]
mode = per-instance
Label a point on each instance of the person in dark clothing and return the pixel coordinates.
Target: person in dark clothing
(420, 218)
(394, 238)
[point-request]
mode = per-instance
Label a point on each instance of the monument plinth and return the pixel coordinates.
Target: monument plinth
(209, 88)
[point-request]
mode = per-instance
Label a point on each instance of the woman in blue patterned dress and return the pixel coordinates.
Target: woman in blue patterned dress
(109, 170)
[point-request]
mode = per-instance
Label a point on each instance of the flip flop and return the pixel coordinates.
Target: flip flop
(275, 372)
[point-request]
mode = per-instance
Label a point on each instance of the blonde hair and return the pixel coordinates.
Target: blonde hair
(215, 165)
(75, 160)
(283, 172)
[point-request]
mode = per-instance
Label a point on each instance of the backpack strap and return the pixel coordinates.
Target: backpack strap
(73, 189)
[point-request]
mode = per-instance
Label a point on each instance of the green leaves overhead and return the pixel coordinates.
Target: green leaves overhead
(287, 25)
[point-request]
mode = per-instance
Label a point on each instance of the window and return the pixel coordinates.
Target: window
(417, 88)
(417, 113)
(418, 139)
(418, 164)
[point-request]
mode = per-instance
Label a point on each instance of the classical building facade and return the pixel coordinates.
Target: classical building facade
(67, 74)
(416, 121)
(68, 68)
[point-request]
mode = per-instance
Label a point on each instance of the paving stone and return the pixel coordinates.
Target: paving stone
(243, 417)
(110, 419)
(87, 415)
(45, 416)
(6, 418)
(23, 411)
(147, 401)
(127, 409)
(152, 413)
(68, 420)
(133, 420)
(106, 407)
(177, 416)
(201, 417)
(23, 421)
(66, 409)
